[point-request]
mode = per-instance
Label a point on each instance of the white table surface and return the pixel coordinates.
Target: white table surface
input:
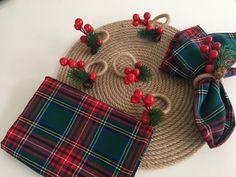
(34, 34)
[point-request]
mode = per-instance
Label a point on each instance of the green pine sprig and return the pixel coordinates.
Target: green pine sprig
(145, 73)
(78, 75)
(225, 58)
(151, 35)
(155, 117)
(92, 43)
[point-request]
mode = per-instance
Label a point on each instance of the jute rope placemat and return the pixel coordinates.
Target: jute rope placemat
(177, 137)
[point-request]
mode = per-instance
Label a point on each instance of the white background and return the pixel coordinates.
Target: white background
(34, 34)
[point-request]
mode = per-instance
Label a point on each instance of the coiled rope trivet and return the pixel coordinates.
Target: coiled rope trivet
(177, 137)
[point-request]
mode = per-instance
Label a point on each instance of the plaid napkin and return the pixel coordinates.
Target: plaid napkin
(65, 132)
(212, 109)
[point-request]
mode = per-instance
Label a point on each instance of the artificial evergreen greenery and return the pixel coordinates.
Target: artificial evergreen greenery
(145, 73)
(78, 75)
(155, 117)
(151, 35)
(93, 42)
(225, 58)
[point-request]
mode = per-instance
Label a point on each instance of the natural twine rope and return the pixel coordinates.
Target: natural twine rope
(177, 137)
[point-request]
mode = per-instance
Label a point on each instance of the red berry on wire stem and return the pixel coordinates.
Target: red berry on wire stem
(100, 42)
(80, 64)
(88, 28)
(160, 29)
(126, 81)
(138, 93)
(208, 39)
(72, 63)
(136, 17)
(135, 23)
(209, 68)
(139, 64)
(213, 54)
(134, 100)
(136, 72)
(204, 48)
(63, 61)
(148, 100)
(145, 117)
(149, 27)
(83, 39)
(131, 77)
(127, 70)
(147, 15)
(92, 76)
(217, 45)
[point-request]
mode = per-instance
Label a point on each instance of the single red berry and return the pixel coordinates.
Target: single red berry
(204, 48)
(127, 70)
(145, 117)
(83, 39)
(72, 63)
(100, 41)
(148, 100)
(217, 45)
(80, 64)
(135, 23)
(131, 77)
(139, 64)
(136, 72)
(213, 54)
(126, 81)
(136, 17)
(78, 24)
(160, 29)
(134, 100)
(92, 76)
(149, 27)
(208, 39)
(88, 28)
(138, 93)
(63, 61)
(147, 15)
(209, 68)
(79, 21)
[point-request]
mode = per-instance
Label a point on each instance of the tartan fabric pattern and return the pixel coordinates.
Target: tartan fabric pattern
(213, 111)
(65, 132)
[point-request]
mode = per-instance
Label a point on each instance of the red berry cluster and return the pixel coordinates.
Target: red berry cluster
(146, 22)
(210, 48)
(77, 65)
(148, 101)
(132, 73)
(86, 29)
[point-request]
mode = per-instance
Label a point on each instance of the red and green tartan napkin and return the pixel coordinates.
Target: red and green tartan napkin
(65, 132)
(213, 111)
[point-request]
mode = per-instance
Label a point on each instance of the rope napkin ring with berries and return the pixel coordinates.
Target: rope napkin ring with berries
(153, 29)
(94, 39)
(79, 72)
(151, 116)
(138, 73)
(219, 60)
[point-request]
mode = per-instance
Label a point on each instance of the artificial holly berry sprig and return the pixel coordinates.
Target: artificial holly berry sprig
(218, 57)
(77, 72)
(90, 38)
(151, 33)
(150, 115)
(140, 72)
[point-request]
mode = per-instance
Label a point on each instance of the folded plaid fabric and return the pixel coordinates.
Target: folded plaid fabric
(65, 132)
(212, 109)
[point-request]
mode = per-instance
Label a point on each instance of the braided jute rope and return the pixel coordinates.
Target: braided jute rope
(100, 73)
(177, 137)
